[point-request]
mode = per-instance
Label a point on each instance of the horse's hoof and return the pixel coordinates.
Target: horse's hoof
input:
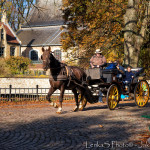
(55, 105)
(58, 112)
(51, 103)
(75, 109)
(81, 108)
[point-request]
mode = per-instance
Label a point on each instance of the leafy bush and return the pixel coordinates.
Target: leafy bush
(4, 69)
(18, 65)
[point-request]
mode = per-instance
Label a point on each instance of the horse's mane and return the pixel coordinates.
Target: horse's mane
(55, 62)
(56, 67)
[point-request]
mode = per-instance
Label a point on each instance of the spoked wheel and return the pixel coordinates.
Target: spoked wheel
(112, 97)
(141, 93)
(84, 102)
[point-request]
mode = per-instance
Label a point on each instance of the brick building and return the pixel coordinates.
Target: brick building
(9, 42)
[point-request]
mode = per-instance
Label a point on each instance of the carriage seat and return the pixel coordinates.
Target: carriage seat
(110, 71)
(108, 74)
(93, 73)
(105, 74)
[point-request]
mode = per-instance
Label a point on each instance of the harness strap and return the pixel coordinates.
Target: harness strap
(69, 74)
(67, 70)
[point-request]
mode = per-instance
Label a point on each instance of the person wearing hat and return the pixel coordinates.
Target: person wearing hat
(98, 59)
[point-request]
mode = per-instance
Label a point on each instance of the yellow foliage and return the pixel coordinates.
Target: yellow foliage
(100, 26)
(113, 56)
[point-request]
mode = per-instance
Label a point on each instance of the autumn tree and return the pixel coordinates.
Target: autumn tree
(94, 24)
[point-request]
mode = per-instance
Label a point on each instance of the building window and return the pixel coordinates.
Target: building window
(1, 51)
(33, 55)
(12, 51)
(57, 54)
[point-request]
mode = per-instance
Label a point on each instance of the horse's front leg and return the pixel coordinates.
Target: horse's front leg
(76, 99)
(62, 90)
(51, 91)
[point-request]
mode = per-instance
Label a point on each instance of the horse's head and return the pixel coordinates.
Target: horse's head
(46, 58)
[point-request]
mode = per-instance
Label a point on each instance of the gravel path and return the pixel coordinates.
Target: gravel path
(38, 127)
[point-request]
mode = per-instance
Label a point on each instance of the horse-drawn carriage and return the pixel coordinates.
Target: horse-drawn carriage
(93, 83)
(109, 83)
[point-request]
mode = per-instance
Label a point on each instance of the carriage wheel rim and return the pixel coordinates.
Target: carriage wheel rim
(113, 97)
(142, 93)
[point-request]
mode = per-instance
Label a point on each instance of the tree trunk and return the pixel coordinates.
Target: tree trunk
(132, 39)
(130, 19)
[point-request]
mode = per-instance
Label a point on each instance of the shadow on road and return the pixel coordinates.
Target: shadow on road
(120, 106)
(72, 131)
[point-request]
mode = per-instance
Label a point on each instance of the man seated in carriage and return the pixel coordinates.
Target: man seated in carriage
(98, 59)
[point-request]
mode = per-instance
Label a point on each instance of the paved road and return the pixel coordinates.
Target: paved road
(38, 127)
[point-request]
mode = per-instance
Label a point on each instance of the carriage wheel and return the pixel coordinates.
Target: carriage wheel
(112, 97)
(84, 102)
(141, 93)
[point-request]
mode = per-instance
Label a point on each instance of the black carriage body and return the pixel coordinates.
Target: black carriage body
(107, 77)
(111, 83)
(104, 75)
(102, 79)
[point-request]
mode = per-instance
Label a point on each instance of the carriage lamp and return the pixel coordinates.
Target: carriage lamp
(126, 87)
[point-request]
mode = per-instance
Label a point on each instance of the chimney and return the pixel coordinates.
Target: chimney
(4, 17)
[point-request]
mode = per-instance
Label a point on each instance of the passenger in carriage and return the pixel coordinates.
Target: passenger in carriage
(119, 67)
(129, 75)
(98, 60)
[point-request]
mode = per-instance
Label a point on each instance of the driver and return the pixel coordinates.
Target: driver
(98, 59)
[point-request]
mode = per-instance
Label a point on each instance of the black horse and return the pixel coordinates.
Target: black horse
(74, 81)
